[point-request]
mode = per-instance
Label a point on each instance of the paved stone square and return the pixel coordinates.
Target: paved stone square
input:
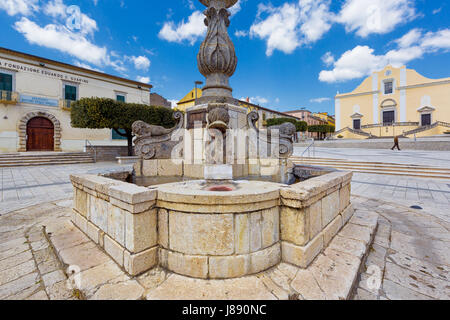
(21, 187)
(408, 259)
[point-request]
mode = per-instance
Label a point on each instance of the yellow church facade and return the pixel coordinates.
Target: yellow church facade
(394, 102)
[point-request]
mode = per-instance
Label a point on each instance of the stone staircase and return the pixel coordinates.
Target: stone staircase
(23, 159)
(395, 169)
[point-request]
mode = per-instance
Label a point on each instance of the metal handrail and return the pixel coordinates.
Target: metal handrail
(89, 144)
(308, 149)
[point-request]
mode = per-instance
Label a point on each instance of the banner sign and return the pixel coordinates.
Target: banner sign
(39, 100)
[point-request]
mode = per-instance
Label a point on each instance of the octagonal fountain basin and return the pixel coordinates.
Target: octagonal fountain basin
(212, 229)
(227, 229)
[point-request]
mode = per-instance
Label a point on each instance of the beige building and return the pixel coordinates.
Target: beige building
(394, 102)
(35, 97)
(264, 113)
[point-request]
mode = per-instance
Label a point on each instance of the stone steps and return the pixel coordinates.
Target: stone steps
(378, 167)
(39, 159)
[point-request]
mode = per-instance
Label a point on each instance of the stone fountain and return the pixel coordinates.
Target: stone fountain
(214, 222)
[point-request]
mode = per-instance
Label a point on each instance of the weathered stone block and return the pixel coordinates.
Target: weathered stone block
(344, 197)
(194, 171)
(116, 224)
(114, 249)
(347, 214)
(163, 258)
(93, 232)
(270, 232)
(269, 171)
(170, 167)
(163, 228)
(138, 263)
(81, 201)
(314, 212)
(269, 162)
(194, 266)
(330, 207)
(265, 259)
(81, 222)
(353, 231)
(241, 233)
(254, 169)
(140, 230)
(294, 225)
(201, 233)
(133, 208)
(302, 256)
(255, 231)
(98, 212)
(150, 168)
(131, 193)
(331, 230)
(229, 267)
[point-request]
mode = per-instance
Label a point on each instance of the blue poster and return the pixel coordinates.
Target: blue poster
(38, 100)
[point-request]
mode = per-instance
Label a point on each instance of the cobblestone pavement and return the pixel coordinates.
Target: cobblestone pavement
(432, 195)
(416, 157)
(21, 187)
(410, 255)
(409, 259)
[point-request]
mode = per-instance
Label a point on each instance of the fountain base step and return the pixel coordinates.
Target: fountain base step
(331, 276)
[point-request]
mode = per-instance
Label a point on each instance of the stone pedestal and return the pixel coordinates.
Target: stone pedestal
(218, 172)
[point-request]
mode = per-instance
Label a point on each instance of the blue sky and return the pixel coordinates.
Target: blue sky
(291, 54)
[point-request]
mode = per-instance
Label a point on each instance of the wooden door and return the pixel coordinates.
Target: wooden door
(40, 135)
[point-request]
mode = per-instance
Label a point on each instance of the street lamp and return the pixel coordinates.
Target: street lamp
(197, 83)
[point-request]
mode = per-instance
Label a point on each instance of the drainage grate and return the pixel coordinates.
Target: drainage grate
(416, 207)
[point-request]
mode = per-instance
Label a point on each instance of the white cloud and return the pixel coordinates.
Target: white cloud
(361, 60)
(375, 16)
(409, 39)
(140, 63)
(236, 8)
(240, 33)
(58, 37)
(57, 8)
(86, 66)
(143, 79)
(437, 40)
(279, 29)
(328, 58)
(256, 100)
(319, 100)
(289, 26)
(189, 31)
(315, 18)
(173, 102)
(436, 11)
(23, 7)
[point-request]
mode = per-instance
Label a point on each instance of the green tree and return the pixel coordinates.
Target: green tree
(300, 126)
(322, 129)
(103, 113)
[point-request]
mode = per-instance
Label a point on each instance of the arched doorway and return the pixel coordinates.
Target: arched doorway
(40, 134)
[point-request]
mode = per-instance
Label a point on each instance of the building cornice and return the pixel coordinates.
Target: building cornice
(347, 95)
(70, 67)
(421, 85)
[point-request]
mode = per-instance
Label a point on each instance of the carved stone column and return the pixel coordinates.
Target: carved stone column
(217, 59)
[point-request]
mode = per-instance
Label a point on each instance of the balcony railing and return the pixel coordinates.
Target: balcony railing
(65, 104)
(9, 97)
(390, 124)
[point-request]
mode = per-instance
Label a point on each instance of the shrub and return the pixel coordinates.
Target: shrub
(103, 113)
